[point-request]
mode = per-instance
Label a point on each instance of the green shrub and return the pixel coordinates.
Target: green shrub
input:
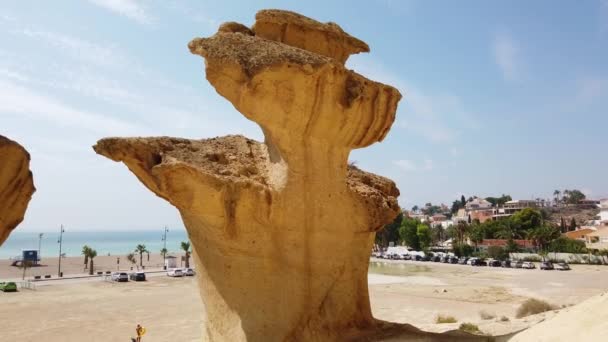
(445, 319)
(470, 328)
(462, 250)
(565, 245)
(486, 315)
(532, 307)
(497, 252)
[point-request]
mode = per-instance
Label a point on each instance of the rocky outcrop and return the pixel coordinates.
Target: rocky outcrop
(282, 229)
(584, 322)
(16, 185)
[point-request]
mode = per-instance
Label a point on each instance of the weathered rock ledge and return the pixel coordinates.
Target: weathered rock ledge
(16, 185)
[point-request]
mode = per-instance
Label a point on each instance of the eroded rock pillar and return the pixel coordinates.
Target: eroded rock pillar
(282, 229)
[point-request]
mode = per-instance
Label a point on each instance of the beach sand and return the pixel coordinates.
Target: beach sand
(171, 309)
(75, 265)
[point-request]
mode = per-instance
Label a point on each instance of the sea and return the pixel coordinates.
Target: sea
(104, 242)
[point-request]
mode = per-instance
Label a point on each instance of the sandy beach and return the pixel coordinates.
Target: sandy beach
(403, 291)
(75, 265)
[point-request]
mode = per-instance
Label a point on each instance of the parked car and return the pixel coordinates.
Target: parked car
(417, 257)
(463, 261)
(8, 287)
(137, 276)
(528, 265)
(562, 266)
(472, 261)
(425, 258)
(454, 260)
(481, 262)
(175, 272)
(546, 265)
(494, 263)
(506, 263)
(120, 276)
(436, 258)
(188, 272)
(406, 256)
(519, 264)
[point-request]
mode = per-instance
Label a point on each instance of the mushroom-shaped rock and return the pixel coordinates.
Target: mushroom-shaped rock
(16, 185)
(282, 229)
(297, 30)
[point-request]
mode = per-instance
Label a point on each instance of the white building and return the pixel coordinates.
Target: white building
(478, 204)
(604, 212)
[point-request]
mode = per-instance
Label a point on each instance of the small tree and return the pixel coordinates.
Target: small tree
(85, 252)
(186, 247)
(424, 236)
(141, 249)
(92, 255)
(25, 264)
(572, 224)
(131, 258)
(163, 252)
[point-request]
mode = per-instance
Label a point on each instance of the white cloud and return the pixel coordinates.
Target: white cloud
(18, 100)
(77, 48)
(411, 166)
(507, 56)
(455, 152)
(132, 9)
(591, 88)
(405, 164)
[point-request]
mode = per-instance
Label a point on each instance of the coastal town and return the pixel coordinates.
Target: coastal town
(570, 224)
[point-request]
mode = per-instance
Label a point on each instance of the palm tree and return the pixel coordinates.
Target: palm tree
(85, 252)
(92, 255)
(131, 258)
(141, 249)
(186, 248)
(556, 195)
(163, 252)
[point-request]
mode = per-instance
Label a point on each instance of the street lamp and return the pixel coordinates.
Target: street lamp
(39, 244)
(60, 241)
(164, 239)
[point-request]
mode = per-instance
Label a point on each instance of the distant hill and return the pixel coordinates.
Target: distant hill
(581, 215)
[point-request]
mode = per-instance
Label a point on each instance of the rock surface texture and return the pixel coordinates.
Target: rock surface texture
(16, 185)
(282, 229)
(584, 322)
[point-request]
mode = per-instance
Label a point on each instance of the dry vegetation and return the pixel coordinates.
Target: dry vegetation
(533, 306)
(486, 315)
(445, 319)
(470, 328)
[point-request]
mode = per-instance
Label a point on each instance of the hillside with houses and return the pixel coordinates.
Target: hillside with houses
(567, 223)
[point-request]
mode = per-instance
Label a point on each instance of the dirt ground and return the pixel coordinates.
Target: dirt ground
(405, 291)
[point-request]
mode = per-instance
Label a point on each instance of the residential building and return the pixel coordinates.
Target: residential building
(597, 239)
(603, 216)
(580, 234)
(511, 207)
(477, 204)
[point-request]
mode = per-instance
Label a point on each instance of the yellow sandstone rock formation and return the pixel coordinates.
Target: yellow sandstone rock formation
(282, 229)
(16, 185)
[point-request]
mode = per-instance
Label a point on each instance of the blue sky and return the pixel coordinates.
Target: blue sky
(499, 97)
